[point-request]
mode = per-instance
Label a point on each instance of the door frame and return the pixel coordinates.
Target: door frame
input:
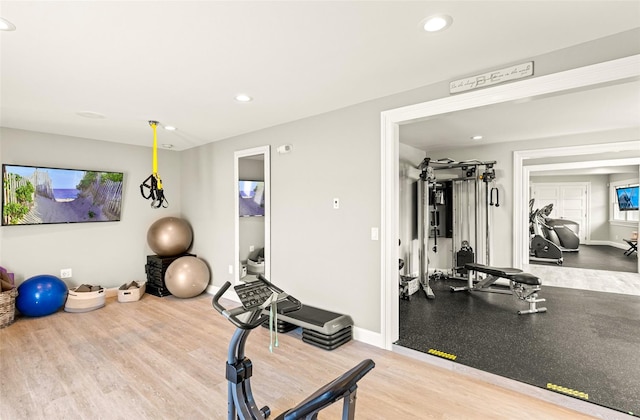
(522, 174)
(265, 152)
(615, 71)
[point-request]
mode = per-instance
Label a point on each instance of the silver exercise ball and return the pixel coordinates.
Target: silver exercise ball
(169, 236)
(187, 277)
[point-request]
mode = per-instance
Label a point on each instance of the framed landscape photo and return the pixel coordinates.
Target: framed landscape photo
(34, 195)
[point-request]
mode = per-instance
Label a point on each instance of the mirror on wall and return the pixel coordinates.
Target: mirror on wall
(252, 213)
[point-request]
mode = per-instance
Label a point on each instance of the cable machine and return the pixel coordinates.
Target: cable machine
(472, 192)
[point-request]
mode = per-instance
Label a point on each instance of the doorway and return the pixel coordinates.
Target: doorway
(252, 186)
(556, 84)
(609, 73)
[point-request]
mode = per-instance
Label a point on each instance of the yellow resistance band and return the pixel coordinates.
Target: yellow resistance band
(154, 125)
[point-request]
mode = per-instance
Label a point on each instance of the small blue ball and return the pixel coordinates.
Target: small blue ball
(41, 295)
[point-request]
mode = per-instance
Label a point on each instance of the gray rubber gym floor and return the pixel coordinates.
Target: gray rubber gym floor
(599, 257)
(587, 341)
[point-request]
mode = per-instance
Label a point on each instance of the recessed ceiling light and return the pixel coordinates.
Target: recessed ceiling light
(170, 128)
(5, 25)
(91, 114)
(243, 98)
(476, 138)
(436, 23)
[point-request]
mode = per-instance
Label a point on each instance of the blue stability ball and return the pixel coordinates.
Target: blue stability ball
(41, 295)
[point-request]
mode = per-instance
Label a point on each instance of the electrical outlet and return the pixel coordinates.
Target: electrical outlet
(251, 248)
(336, 203)
(230, 269)
(65, 273)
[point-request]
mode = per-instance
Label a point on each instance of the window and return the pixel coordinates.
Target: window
(615, 215)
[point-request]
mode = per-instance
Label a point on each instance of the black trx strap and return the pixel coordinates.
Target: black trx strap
(153, 182)
(155, 194)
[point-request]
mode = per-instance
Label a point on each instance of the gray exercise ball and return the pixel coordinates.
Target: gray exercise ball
(169, 236)
(187, 277)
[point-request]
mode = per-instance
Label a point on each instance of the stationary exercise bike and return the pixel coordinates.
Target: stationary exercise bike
(541, 248)
(257, 297)
(562, 232)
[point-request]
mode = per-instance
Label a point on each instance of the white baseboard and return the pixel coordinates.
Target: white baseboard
(368, 337)
(359, 334)
(229, 294)
(620, 245)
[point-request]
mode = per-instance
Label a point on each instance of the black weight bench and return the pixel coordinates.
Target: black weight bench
(524, 286)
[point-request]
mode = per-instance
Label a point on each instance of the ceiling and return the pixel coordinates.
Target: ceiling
(613, 107)
(182, 62)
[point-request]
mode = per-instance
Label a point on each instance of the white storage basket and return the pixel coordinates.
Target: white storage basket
(131, 292)
(80, 300)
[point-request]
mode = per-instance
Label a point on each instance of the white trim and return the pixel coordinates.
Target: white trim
(359, 334)
(624, 223)
(613, 203)
(603, 148)
(389, 325)
(265, 151)
(367, 337)
(619, 70)
(619, 245)
(229, 294)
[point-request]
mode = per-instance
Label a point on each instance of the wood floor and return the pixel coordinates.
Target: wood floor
(164, 358)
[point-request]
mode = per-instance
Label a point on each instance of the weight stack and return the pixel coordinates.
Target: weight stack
(155, 268)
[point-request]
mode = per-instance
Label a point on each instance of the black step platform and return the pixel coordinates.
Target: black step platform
(325, 329)
(324, 341)
(281, 326)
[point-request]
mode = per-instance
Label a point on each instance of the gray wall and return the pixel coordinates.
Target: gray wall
(323, 256)
(107, 254)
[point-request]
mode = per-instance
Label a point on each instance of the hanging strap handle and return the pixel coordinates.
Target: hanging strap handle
(153, 182)
(497, 202)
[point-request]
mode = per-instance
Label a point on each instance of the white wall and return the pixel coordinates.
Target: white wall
(598, 205)
(109, 253)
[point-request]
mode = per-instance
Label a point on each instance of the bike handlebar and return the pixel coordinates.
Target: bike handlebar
(253, 320)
